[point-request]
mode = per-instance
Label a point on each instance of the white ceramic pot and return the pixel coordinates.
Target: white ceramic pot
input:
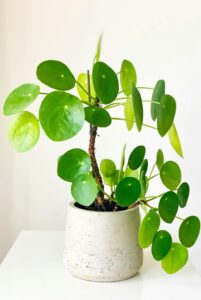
(102, 246)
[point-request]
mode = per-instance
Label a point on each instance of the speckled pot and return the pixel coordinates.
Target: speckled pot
(102, 246)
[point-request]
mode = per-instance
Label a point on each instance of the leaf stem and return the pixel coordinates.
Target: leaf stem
(144, 88)
(146, 125)
(152, 170)
(113, 105)
(154, 176)
(43, 93)
(149, 101)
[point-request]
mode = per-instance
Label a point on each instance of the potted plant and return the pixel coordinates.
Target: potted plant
(104, 234)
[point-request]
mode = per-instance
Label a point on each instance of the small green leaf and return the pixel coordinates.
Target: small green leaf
(174, 140)
(183, 194)
(20, 98)
(97, 116)
(73, 163)
(149, 226)
(83, 81)
(144, 166)
(168, 206)
(127, 76)
(161, 244)
(158, 93)
(143, 183)
(128, 191)
(121, 172)
(159, 159)
(175, 259)
(56, 75)
(129, 113)
(61, 115)
(98, 50)
(117, 176)
(189, 231)
(24, 131)
(137, 106)
(105, 82)
(166, 114)
(170, 175)
(136, 157)
(107, 167)
(84, 189)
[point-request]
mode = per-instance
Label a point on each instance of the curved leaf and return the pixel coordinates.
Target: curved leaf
(128, 191)
(158, 93)
(137, 106)
(83, 80)
(149, 226)
(170, 175)
(161, 244)
(127, 76)
(159, 159)
(168, 206)
(129, 113)
(189, 231)
(183, 194)
(166, 114)
(174, 140)
(136, 157)
(97, 116)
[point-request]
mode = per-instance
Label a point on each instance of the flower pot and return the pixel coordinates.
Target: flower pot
(102, 246)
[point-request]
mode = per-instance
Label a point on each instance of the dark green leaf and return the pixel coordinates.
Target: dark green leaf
(107, 167)
(183, 194)
(61, 115)
(170, 174)
(159, 159)
(105, 82)
(144, 166)
(143, 183)
(97, 116)
(158, 93)
(129, 113)
(56, 75)
(149, 226)
(166, 114)
(83, 81)
(127, 76)
(189, 231)
(168, 206)
(20, 98)
(161, 244)
(121, 172)
(137, 106)
(73, 163)
(128, 191)
(174, 140)
(136, 157)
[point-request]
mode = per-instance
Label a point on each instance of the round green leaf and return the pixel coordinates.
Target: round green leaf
(174, 140)
(161, 244)
(20, 98)
(24, 131)
(84, 189)
(136, 157)
(166, 114)
(175, 259)
(170, 175)
(105, 82)
(128, 191)
(168, 206)
(97, 116)
(61, 115)
(129, 113)
(159, 159)
(158, 93)
(183, 194)
(56, 75)
(189, 231)
(73, 163)
(82, 79)
(107, 167)
(127, 76)
(148, 227)
(137, 106)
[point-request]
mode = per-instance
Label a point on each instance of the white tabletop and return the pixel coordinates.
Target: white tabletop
(33, 270)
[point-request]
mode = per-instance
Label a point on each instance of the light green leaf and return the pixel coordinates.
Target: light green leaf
(170, 175)
(158, 93)
(168, 206)
(166, 114)
(189, 231)
(127, 191)
(131, 173)
(149, 226)
(83, 81)
(127, 76)
(97, 116)
(137, 106)
(174, 140)
(129, 113)
(107, 167)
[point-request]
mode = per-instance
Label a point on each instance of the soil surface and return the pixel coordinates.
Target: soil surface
(108, 206)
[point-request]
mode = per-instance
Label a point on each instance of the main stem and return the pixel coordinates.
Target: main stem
(92, 140)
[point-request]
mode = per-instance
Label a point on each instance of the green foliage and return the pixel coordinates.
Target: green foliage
(107, 167)
(161, 244)
(159, 159)
(56, 75)
(174, 140)
(189, 231)
(170, 174)
(166, 114)
(73, 163)
(127, 76)
(82, 80)
(168, 206)
(175, 259)
(148, 228)
(98, 50)
(97, 116)
(137, 106)
(128, 191)
(61, 115)
(129, 113)
(24, 131)
(183, 194)
(144, 166)
(20, 98)
(158, 93)
(136, 157)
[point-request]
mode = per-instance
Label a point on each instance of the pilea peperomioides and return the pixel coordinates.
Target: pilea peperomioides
(62, 115)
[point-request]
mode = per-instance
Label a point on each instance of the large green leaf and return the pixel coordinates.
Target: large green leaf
(189, 231)
(20, 98)
(161, 244)
(148, 228)
(128, 191)
(97, 116)
(168, 206)
(107, 167)
(105, 82)
(73, 163)
(170, 175)
(159, 159)
(61, 115)
(56, 75)
(83, 81)
(24, 131)
(136, 157)
(127, 76)
(183, 194)
(129, 113)
(166, 114)
(175, 259)
(84, 189)
(137, 106)
(174, 140)
(158, 93)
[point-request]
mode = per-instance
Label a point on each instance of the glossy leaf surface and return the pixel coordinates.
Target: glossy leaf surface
(128, 191)
(170, 175)
(183, 194)
(97, 116)
(166, 114)
(129, 113)
(158, 93)
(136, 157)
(174, 140)
(127, 76)
(189, 231)
(138, 107)
(161, 244)
(168, 206)
(148, 228)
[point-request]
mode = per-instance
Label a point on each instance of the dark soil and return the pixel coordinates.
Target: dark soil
(107, 206)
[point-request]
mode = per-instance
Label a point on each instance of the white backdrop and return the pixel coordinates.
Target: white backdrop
(162, 38)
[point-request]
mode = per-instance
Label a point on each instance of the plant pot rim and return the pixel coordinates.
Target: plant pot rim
(72, 205)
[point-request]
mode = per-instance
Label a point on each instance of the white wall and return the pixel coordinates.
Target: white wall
(162, 38)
